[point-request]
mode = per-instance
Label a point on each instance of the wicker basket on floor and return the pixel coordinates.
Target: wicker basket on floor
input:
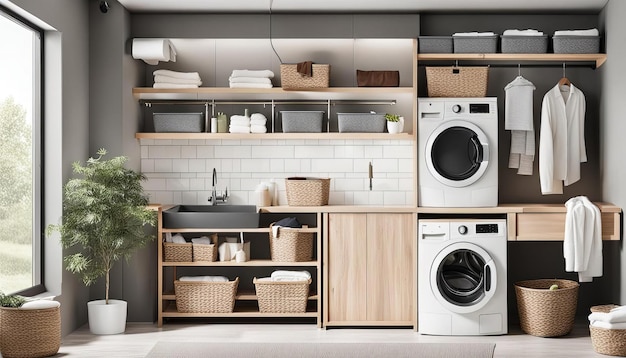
(30, 333)
(545, 313)
(205, 296)
(611, 342)
(175, 252)
(291, 245)
(282, 296)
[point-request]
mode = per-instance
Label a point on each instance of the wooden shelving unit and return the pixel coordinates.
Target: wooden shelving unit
(245, 305)
(597, 58)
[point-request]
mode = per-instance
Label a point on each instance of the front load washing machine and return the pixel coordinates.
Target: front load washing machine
(462, 284)
(458, 152)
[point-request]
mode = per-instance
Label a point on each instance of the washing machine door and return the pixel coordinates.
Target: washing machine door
(457, 153)
(463, 277)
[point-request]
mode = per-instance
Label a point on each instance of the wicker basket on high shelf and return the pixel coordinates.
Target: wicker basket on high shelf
(290, 78)
(282, 296)
(544, 312)
(611, 342)
(205, 296)
(457, 81)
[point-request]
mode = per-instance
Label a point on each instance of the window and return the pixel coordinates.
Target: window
(20, 156)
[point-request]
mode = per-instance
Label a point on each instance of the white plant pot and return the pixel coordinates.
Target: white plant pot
(107, 319)
(395, 127)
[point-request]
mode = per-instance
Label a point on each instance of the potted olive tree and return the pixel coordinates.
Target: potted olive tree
(104, 215)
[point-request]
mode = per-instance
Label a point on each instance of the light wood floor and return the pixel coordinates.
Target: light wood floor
(140, 338)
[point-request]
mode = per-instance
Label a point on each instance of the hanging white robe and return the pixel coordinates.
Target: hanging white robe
(582, 245)
(561, 138)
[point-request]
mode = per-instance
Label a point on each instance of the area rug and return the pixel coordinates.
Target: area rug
(321, 350)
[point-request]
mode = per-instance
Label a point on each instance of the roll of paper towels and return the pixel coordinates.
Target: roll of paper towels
(151, 51)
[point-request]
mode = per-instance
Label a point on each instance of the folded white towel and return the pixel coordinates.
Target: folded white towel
(252, 73)
(183, 75)
(473, 34)
(40, 305)
(178, 239)
(607, 325)
(257, 128)
(168, 79)
(172, 85)
(614, 316)
(202, 240)
(238, 120)
(527, 32)
(264, 279)
(250, 80)
(250, 85)
(589, 32)
(286, 275)
(168, 237)
(258, 118)
(239, 129)
(204, 278)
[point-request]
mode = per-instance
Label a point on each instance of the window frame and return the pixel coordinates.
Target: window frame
(38, 137)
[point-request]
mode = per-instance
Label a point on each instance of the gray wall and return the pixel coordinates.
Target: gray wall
(613, 170)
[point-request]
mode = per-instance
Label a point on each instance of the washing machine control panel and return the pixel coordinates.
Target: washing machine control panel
(486, 228)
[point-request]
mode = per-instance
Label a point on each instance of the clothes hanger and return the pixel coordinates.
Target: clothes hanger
(564, 81)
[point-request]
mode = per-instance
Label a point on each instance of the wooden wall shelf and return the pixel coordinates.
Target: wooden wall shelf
(597, 58)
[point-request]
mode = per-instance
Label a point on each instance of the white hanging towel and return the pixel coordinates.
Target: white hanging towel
(561, 138)
(518, 118)
(582, 245)
(151, 51)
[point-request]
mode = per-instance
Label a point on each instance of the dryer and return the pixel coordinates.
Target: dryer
(462, 278)
(458, 152)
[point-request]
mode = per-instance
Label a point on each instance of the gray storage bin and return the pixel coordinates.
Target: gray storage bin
(302, 121)
(435, 44)
(524, 44)
(178, 122)
(361, 122)
(475, 44)
(576, 44)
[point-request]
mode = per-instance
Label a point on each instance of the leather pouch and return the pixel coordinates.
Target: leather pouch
(377, 78)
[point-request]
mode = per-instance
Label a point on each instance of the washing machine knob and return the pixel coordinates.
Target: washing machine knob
(456, 108)
(462, 229)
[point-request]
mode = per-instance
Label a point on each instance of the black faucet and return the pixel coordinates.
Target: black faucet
(214, 197)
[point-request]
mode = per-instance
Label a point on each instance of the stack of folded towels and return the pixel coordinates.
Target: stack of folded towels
(614, 319)
(202, 240)
(528, 32)
(474, 33)
(174, 79)
(256, 123)
(251, 79)
(284, 275)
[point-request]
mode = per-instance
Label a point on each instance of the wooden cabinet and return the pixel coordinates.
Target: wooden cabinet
(369, 269)
(259, 265)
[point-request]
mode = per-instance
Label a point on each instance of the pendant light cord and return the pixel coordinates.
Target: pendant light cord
(271, 41)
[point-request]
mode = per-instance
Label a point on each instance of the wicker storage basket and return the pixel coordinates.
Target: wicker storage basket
(457, 81)
(307, 191)
(204, 252)
(205, 297)
(611, 342)
(282, 296)
(174, 252)
(290, 78)
(30, 333)
(291, 245)
(545, 313)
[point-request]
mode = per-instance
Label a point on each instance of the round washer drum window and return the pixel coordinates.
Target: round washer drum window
(457, 153)
(460, 277)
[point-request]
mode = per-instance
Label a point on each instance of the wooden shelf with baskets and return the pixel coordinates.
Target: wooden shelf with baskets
(597, 59)
(246, 302)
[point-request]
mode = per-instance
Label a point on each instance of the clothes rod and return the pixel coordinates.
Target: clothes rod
(516, 64)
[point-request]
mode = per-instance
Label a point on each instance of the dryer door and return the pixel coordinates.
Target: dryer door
(463, 277)
(457, 153)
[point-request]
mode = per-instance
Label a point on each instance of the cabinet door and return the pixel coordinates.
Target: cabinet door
(390, 271)
(347, 267)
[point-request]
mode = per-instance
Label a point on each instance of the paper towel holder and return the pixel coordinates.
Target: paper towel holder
(104, 7)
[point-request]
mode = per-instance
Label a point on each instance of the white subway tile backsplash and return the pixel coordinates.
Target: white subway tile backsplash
(180, 171)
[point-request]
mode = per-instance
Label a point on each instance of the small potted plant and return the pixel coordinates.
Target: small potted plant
(395, 123)
(104, 214)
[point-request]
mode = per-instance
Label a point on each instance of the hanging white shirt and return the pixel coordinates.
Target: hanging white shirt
(582, 245)
(561, 138)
